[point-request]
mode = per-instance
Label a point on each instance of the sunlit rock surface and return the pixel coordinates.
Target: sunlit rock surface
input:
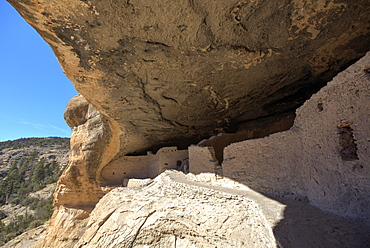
(174, 72)
(321, 161)
(177, 210)
(164, 73)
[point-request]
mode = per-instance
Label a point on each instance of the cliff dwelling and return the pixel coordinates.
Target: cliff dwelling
(147, 166)
(326, 148)
(266, 103)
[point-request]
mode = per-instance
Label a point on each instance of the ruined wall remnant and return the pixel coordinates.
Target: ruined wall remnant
(145, 166)
(249, 130)
(325, 156)
(202, 159)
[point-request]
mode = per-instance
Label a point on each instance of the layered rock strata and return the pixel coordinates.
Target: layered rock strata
(175, 72)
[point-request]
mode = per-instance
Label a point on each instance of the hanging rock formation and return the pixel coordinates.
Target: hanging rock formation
(161, 73)
(168, 72)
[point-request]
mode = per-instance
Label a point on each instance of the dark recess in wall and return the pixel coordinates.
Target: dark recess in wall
(348, 147)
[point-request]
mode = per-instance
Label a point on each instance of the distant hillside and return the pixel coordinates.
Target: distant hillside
(29, 169)
(62, 143)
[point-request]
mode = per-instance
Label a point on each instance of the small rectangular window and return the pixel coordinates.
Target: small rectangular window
(348, 147)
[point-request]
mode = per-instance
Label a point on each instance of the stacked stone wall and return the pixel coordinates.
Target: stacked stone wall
(324, 157)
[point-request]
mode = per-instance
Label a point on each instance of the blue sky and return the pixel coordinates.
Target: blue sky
(33, 89)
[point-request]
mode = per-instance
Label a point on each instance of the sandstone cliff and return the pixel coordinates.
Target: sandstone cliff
(212, 211)
(163, 73)
(174, 72)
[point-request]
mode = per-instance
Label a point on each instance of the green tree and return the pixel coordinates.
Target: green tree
(38, 175)
(2, 191)
(2, 215)
(13, 181)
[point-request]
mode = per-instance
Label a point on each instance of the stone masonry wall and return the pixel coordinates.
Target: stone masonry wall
(324, 157)
(148, 166)
(170, 158)
(202, 159)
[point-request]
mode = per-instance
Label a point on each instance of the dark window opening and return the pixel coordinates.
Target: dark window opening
(348, 147)
(320, 106)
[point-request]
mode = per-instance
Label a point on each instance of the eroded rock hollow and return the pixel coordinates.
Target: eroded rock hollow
(173, 72)
(162, 73)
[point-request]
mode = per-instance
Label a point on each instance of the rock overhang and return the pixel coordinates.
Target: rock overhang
(172, 73)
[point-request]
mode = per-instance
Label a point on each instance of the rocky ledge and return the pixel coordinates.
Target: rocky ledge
(178, 210)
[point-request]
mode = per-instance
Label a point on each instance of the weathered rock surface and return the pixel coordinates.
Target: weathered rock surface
(78, 189)
(160, 73)
(174, 72)
(90, 149)
(178, 210)
(28, 239)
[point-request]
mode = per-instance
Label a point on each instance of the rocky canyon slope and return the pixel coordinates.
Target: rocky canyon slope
(29, 169)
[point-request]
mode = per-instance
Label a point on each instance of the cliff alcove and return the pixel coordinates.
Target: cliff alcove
(170, 73)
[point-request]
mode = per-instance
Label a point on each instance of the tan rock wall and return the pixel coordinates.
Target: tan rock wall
(78, 186)
(78, 189)
(325, 156)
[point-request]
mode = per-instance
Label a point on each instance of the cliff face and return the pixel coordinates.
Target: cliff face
(168, 72)
(321, 161)
(78, 189)
(160, 73)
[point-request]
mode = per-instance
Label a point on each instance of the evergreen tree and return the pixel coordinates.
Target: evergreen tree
(39, 173)
(13, 181)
